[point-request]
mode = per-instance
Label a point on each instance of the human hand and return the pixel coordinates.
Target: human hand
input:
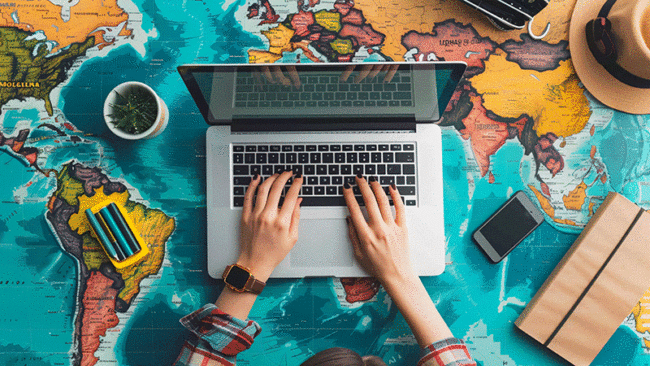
(381, 243)
(275, 75)
(370, 71)
(268, 232)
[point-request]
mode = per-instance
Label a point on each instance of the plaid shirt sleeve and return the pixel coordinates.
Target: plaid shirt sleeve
(220, 337)
(447, 352)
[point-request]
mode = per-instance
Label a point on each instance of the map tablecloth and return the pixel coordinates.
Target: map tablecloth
(520, 119)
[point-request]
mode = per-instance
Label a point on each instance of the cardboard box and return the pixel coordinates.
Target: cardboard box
(596, 284)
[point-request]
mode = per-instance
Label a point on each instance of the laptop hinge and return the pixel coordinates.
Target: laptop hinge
(392, 123)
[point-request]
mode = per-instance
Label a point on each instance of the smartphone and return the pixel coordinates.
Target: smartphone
(507, 227)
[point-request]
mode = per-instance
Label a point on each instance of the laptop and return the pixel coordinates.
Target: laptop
(328, 122)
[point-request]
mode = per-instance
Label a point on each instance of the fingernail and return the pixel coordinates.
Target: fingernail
(372, 178)
(299, 176)
(346, 185)
(256, 176)
(393, 186)
(359, 176)
(347, 218)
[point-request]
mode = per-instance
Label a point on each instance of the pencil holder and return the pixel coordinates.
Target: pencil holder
(116, 233)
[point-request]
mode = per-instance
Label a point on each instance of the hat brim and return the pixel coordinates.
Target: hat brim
(600, 83)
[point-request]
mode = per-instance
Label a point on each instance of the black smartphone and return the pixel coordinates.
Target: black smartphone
(502, 15)
(507, 227)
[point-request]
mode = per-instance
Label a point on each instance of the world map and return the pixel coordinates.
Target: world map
(520, 120)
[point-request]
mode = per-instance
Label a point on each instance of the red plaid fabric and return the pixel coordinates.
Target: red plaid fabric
(220, 337)
(448, 352)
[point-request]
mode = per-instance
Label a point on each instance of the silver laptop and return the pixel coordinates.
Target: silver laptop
(328, 122)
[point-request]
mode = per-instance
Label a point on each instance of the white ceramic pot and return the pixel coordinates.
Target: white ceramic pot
(162, 116)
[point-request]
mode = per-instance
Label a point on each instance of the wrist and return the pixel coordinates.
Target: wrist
(258, 269)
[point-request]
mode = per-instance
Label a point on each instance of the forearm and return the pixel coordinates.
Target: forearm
(413, 301)
(239, 304)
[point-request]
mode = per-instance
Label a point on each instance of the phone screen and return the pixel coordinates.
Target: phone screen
(508, 226)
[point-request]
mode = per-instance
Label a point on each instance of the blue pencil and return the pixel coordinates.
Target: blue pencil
(101, 235)
(111, 238)
(124, 227)
(112, 226)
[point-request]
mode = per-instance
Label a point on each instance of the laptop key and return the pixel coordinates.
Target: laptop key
(240, 170)
(249, 158)
(275, 147)
(406, 190)
(333, 170)
(337, 180)
(310, 170)
(321, 170)
(408, 157)
(408, 169)
(267, 170)
(238, 201)
(410, 180)
(357, 169)
(303, 158)
(319, 190)
(328, 158)
(238, 158)
(324, 181)
(399, 180)
(256, 169)
(312, 181)
(381, 169)
(241, 181)
(238, 191)
(314, 158)
(331, 190)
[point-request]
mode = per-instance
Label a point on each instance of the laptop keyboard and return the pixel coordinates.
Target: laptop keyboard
(325, 90)
(326, 167)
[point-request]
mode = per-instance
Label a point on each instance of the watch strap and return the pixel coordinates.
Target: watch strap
(252, 284)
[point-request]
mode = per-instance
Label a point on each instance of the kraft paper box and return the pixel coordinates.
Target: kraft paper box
(596, 284)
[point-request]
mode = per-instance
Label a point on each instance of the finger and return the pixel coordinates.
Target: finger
(369, 200)
(375, 70)
(346, 74)
(295, 218)
(276, 190)
(365, 70)
(399, 206)
(390, 73)
(293, 75)
(266, 72)
(292, 197)
(279, 76)
(382, 201)
(263, 193)
(354, 238)
(250, 194)
(358, 220)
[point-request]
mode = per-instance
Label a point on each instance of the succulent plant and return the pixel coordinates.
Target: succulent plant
(135, 111)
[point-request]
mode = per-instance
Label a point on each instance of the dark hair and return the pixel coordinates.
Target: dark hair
(338, 356)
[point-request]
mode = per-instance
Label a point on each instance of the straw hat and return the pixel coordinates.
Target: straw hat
(615, 64)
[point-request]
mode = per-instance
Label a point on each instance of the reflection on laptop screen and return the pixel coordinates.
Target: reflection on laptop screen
(416, 91)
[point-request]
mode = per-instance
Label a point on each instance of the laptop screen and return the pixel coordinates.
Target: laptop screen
(300, 93)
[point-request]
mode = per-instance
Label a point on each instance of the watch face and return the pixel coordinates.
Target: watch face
(237, 277)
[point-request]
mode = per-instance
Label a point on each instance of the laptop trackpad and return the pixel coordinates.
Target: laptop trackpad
(322, 243)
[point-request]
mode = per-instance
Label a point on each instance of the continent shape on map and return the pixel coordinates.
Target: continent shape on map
(337, 34)
(27, 71)
(103, 289)
(71, 23)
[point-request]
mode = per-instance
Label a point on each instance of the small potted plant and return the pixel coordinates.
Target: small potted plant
(134, 111)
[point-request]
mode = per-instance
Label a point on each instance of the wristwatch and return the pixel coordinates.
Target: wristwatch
(239, 278)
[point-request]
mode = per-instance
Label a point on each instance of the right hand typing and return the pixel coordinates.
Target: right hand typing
(381, 243)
